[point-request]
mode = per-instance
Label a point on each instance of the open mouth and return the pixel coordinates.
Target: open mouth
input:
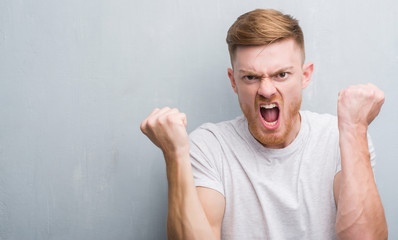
(270, 115)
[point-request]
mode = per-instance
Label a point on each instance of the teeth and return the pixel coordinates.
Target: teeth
(271, 123)
(268, 106)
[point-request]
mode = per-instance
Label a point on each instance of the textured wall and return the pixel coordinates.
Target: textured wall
(78, 77)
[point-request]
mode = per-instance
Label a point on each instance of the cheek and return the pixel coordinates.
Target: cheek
(294, 89)
(292, 96)
(248, 99)
(246, 94)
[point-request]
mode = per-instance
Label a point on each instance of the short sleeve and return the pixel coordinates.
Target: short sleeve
(206, 160)
(372, 153)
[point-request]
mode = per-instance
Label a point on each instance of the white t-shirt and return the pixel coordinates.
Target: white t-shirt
(271, 193)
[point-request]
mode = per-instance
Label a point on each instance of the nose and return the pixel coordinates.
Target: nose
(267, 88)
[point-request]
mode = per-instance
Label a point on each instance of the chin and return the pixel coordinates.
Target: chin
(277, 134)
(274, 139)
(268, 138)
(278, 137)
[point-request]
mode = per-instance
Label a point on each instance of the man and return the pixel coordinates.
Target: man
(276, 172)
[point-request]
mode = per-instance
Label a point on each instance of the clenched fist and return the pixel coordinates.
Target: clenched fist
(358, 105)
(166, 129)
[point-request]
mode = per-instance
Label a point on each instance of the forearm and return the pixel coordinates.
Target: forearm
(360, 213)
(186, 217)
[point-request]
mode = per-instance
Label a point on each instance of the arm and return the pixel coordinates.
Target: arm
(187, 218)
(213, 204)
(360, 213)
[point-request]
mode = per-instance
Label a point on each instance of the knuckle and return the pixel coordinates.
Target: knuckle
(170, 119)
(371, 85)
(380, 92)
(372, 93)
(142, 126)
(154, 111)
(382, 97)
(164, 120)
(343, 93)
(151, 123)
(159, 121)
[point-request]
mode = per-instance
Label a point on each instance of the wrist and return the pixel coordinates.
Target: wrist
(176, 155)
(353, 144)
(353, 128)
(178, 168)
(176, 161)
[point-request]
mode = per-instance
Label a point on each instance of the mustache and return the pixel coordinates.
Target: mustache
(263, 99)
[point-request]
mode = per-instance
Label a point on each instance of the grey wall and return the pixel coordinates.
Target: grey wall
(78, 77)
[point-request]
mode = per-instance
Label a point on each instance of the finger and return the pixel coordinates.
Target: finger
(173, 111)
(155, 116)
(166, 113)
(381, 97)
(341, 94)
(159, 112)
(184, 119)
(173, 117)
(143, 126)
(181, 119)
(145, 122)
(154, 112)
(377, 93)
(372, 85)
(377, 90)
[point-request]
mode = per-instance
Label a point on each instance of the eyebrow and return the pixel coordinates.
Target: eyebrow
(253, 73)
(248, 72)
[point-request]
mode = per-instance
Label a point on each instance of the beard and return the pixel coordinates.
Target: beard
(278, 137)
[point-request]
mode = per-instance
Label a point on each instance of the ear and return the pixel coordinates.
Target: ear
(307, 73)
(232, 79)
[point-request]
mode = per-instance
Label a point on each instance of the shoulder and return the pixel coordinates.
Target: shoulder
(322, 128)
(213, 137)
(319, 121)
(318, 118)
(216, 130)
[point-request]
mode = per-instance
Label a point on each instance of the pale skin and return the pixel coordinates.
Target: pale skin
(193, 213)
(274, 72)
(360, 213)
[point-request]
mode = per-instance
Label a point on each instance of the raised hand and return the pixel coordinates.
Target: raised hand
(359, 105)
(166, 128)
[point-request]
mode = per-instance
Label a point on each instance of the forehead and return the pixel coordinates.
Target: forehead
(268, 57)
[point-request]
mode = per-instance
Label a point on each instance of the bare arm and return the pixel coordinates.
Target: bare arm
(360, 213)
(213, 204)
(187, 218)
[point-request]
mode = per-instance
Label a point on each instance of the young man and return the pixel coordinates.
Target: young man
(276, 172)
